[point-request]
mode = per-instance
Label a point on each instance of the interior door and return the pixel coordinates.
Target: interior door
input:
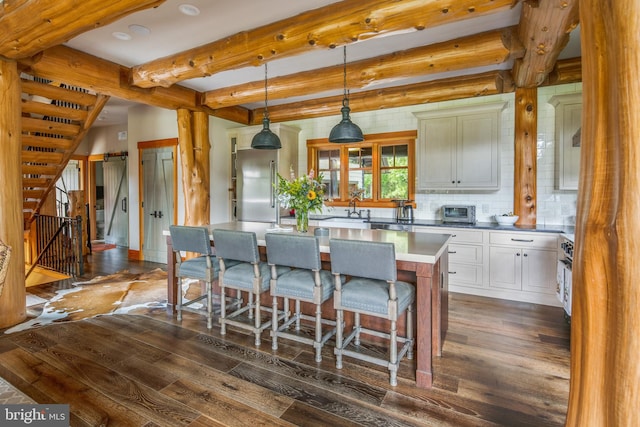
(116, 199)
(157, 201)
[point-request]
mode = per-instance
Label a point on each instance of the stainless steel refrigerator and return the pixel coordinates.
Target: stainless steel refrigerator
(256, 175)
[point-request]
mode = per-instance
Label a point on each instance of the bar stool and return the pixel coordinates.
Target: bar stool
(305, 282)
(241, 269)
(204, 267)
(373, 290)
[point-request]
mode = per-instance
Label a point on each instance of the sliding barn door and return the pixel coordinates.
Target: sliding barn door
(116, 199)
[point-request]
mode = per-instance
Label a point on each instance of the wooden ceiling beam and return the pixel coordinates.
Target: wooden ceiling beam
(64, 64)
(461, 87)
(489, 48)
(544, 30)
(29, 27)
(323, 28)
(566, 71)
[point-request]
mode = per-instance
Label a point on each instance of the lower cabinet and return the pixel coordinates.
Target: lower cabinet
(523, 261)
(522, 269)
(466, 254)
(519, 266)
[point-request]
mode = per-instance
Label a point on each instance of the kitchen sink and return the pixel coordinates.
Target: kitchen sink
(344, 222)
(391, 226)
(344, 219)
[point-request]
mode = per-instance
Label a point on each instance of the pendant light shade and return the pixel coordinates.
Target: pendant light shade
(346, 130)
(266, 139)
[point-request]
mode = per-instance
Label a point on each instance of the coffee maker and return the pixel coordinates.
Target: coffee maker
(404, 210)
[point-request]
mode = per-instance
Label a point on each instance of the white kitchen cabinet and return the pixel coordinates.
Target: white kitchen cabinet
(458, 148)
(466, 254)
(568, 127)
(517, 266)
(523, 261)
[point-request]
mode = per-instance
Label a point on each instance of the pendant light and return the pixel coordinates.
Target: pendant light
(265, 139)
(346, 130)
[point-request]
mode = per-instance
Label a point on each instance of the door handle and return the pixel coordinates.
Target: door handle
(159, 214)
(154, 214)
(123, 205)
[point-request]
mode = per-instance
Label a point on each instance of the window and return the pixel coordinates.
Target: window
(377, 170)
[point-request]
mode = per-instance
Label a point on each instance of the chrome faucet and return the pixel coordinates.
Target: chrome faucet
(353, 212)
(355, 196)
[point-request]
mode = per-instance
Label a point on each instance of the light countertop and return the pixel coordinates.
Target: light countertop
(415, 247)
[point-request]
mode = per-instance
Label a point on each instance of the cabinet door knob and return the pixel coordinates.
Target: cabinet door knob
(525, 254)
(518, 254)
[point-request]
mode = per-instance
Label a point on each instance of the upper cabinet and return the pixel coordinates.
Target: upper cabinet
(458, 148)
(568, 130)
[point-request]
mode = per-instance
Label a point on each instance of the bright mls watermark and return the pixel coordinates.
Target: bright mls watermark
(34, 415)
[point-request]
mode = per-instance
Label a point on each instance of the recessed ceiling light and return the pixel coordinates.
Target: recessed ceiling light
(139, 29)
(121, 36)
(189, 9)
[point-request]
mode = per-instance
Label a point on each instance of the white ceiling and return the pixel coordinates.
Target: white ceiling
(172, 31)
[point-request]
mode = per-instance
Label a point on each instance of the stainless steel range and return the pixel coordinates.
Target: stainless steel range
(565, 263)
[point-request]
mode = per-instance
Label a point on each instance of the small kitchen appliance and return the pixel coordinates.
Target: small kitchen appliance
(461, 214)
(403, 210)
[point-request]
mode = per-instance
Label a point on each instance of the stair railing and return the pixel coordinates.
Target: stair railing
(58, 244)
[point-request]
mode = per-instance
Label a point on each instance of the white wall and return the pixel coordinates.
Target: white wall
(103, 139)
(150, 123)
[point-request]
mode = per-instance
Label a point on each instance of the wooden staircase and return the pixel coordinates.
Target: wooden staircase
(55, 119)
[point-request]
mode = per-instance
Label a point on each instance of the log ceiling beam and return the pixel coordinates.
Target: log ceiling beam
(488, 83)
(544, 30)
(323, 28)
(566, 71)
(490, 48)
(71, 66)
(29, 27)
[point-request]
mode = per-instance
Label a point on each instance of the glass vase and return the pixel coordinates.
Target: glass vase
(302, 220)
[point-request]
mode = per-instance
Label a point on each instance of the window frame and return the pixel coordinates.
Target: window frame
(375, 141)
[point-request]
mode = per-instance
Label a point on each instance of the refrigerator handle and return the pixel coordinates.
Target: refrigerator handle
(272, 168)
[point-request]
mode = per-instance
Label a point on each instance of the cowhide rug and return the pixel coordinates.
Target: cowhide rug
(118, 293)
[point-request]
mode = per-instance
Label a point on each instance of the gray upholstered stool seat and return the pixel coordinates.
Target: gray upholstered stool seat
(242, 270)
(373, 290)
(305, 282)
(370, 295)
(204, 267)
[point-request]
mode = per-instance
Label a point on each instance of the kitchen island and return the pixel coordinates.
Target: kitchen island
(421, 259)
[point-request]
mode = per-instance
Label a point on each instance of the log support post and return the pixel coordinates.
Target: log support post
(526, 140)
(12, 299)
(605, 343)
(193, 141)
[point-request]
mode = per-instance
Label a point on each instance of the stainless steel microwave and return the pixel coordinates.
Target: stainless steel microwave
(465, 214)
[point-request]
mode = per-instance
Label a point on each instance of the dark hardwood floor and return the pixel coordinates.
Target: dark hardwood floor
(503, 364)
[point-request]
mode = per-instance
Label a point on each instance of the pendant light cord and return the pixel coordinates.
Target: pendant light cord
(266, 111)
(345, 101)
